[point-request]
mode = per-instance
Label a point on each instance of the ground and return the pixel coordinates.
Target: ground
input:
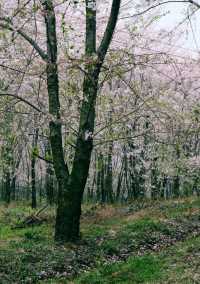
(142, 242)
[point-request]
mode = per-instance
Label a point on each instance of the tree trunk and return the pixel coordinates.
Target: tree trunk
(7, 188)
(109, 175)
(33, 160)
(71, 186)
(49, 179)
(69, 207)
(13, 187)
(119, 182)
(176, 179)
(109, 168)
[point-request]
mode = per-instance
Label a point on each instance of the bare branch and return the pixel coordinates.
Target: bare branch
(122, 138)
(7, 24)
(21, 99)
(43, 159)
(107, 37)
(160, 4)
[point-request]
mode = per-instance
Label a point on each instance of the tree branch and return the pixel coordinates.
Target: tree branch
(7, 24)
(43, 159)
(160, 4)
(108, 34)
(21, 99)
(122, 138)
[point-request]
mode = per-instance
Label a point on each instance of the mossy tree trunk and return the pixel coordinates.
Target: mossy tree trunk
(69, 205)
(71, 185)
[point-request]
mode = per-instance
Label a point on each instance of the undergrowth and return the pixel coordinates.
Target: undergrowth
(120, 244)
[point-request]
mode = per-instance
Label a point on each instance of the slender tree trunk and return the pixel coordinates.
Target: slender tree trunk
(102, 181)
(92, 187)
(109, 168)
(33, 187)
(133, 175)
(50, 185)
(13, 187)
(109, 176)
(33, 175)
(176, 179)
(119, 182)
(100, 178)
(13, 181)
(49, 179)
(7, 187)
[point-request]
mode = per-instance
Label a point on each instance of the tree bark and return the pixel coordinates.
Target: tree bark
(49, 178)
(7, 187)
(71, 186)
(33, 161)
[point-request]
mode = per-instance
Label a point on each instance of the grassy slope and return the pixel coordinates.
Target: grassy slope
(180, 264)
(139, 243)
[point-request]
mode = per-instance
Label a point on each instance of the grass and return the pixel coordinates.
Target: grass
(154, 243)
(179, 264)
(135, 270)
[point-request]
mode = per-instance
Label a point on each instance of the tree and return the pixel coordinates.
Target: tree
(71, 184)
(133, 139)
(71, 189)
(33, 161)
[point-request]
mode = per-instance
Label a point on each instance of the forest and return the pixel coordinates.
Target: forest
(99, 141)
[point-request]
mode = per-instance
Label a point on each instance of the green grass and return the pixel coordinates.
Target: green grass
(175, 209)
(135, 270)
(169, 266)
(116, 247)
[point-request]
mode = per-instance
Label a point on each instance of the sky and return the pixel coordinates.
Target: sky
(189, 30)
(186, 36)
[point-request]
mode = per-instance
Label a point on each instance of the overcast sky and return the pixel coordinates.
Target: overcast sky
(177, 13)
(186, 36)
